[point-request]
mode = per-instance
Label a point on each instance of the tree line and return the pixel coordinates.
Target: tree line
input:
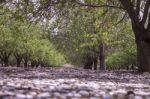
(25, 44)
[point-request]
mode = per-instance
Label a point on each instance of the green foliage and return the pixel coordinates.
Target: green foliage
(85, 30)
(121, 51)
(21, 38)
(46, 53)
(122, 59)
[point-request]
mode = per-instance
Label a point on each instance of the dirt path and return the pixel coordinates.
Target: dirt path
(71, 83)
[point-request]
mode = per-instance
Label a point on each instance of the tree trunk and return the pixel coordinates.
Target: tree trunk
(18, 59)
(38, 63)
(102, 57)
(18, 62)
(32, 64)
(6, 61)
(88, 62)
(25, 61)
(143, 56)
(5, 57)
(143, 48)
(95, 63)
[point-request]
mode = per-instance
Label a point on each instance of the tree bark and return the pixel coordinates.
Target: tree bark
(18, 59)
(102, 57)
(143, 56)
(143, 48)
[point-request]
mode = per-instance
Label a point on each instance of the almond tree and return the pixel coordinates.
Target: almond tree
(139, 14)
(141, 29)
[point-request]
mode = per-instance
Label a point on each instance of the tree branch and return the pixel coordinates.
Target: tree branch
(130, 10)
(145, 16)
(148, 26)
(95, 6)
(138, 7)
(124, 16)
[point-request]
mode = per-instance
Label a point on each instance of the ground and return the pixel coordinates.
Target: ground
(72, 83)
